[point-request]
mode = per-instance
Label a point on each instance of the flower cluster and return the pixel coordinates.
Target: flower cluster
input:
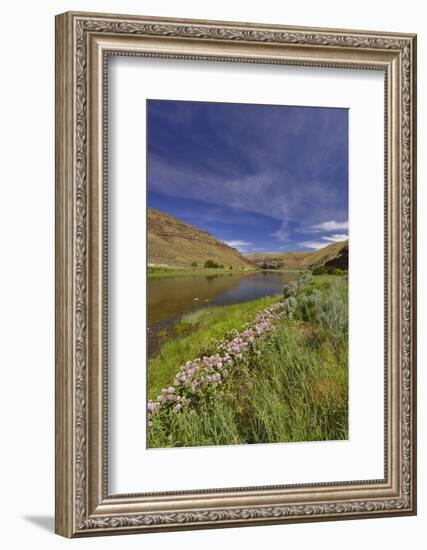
(200, 376)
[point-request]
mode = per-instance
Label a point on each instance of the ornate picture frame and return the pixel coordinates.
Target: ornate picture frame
(84, 42)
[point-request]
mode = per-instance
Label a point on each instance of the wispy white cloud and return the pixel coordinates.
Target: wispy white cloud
(314, 244)
(329, 226)
(267, 191)
(241, 246)
(336, 238)
(325, 240)
(216, 164)
(282, 234)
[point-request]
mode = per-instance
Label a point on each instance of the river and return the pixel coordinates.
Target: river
(169, 298)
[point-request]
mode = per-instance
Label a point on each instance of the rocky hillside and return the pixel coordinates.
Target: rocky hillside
(173, 243)
(333, 255)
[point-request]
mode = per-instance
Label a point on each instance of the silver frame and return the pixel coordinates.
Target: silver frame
(83, 43)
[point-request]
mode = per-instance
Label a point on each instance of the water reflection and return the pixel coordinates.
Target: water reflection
(171, 297)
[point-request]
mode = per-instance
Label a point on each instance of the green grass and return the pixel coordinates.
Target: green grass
(160, 272)
(298, 390)
(325, 283)
(292, 387)
(206, 324)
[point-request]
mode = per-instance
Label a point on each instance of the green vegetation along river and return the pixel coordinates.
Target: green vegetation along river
(170, 298)
(266, 370)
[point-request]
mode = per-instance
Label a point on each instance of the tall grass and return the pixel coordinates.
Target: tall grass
(298, 388)
(293, 386)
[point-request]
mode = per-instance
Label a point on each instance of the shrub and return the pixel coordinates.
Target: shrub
(310, 306)
(334, 314)
(337, 271)
(293, 288)
(326, 308)
(325, 270)
(194, 264)
(319, 270)
(290, 306)
(290, 289)
(304, 278)
(212, 264)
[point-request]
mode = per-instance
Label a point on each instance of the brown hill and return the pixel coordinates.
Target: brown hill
(173, 243)
(333, 255)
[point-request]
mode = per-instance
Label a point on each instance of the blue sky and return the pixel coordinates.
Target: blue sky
(261, 178)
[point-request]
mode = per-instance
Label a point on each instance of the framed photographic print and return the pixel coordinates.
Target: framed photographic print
(235, 274)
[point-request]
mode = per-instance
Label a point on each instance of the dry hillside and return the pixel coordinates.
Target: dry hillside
(173, 243)
(333, 255)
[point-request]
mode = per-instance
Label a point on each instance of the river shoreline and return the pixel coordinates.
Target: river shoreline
(198, 331)
(156, 273)
(292, 386)
(171, 298)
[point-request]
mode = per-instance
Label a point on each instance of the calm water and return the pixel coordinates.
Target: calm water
(170, 298)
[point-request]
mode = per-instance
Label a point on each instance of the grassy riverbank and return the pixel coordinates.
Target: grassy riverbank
(203, 326)
(159, 272)
(292, 385)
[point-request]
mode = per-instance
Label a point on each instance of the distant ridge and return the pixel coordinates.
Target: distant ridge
(176, 244)
(333, 255)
